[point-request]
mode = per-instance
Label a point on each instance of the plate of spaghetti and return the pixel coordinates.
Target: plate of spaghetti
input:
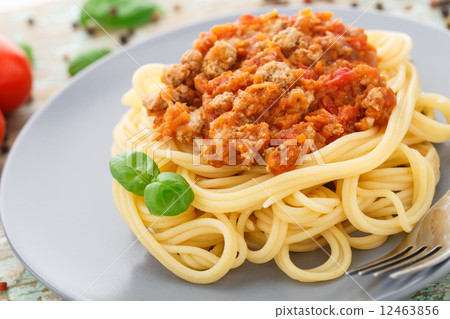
(257, 157)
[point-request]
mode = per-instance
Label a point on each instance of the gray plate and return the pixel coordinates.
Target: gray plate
(59, 215)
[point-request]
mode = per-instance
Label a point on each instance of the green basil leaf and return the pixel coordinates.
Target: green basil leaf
(133, 170)
(118, 13)
(85, 59)
(28, 51)
(169, 195)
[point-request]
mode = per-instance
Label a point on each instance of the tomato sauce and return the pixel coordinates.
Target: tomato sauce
(298, 79)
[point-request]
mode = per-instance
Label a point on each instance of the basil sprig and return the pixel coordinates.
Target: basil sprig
(133, 170)
(117, 13)
(28, 51)
(86, 58)
(169, 194)
(164, 194)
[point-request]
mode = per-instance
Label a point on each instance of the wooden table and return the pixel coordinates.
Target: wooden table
(54, 39)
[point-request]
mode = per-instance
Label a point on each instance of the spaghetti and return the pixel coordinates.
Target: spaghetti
(379, 181)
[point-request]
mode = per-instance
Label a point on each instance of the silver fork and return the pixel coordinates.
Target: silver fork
(426, 245)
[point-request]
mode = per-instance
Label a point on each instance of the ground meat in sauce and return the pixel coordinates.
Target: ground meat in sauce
(175, 74)
(272, 88)
(218, 105)
(155, 104)
(193, 60)
(183, 93)
(275, 72)
(287, 39)
(218, 59)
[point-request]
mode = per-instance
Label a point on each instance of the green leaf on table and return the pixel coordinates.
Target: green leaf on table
(86, 58)
(133, 170)
(118, 14)
(28, 51)
(170, 194)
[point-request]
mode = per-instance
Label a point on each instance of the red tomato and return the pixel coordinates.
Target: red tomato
(15, 76)
(340, 77)
(3, 286)
(358, 43)
(2, 127)
(247, 19)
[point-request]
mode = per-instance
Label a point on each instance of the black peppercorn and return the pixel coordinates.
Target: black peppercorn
(379, 6)
(124, 39)
(91, 30)
(445, 11)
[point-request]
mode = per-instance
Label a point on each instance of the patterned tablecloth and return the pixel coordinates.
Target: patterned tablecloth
(55, 37)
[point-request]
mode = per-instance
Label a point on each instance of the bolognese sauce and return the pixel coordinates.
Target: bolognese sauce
(291, 79)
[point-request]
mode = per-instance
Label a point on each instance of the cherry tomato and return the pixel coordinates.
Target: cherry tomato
(15, 76)
(2, 127)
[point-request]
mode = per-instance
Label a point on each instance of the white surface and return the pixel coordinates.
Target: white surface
(58, 212)
(8, 5)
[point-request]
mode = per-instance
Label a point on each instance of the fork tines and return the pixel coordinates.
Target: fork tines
(397, 263)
